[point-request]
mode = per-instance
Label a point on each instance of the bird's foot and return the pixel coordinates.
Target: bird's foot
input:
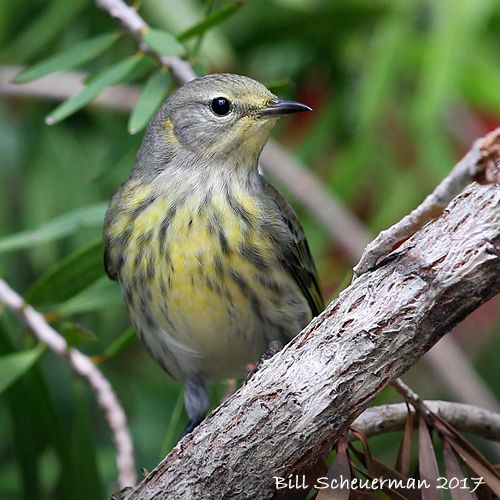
(120, 495)
(190, 427)
(274, 347)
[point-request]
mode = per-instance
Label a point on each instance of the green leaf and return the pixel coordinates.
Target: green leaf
(43, 30)
(76, 334)
(69, 276)
(213, 19)
(101, 295)
(163, 42)
(169, 440)
(128, 337)
(152, 95)
(107, 78)
(89, 216)
(69, 59)
(13, 366)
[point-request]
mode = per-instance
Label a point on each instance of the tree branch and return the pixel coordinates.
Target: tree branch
(136, 26)
(464, 418)
(480, 164)
(82, 366)
(296, 406)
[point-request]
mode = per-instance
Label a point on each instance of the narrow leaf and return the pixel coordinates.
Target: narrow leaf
(469, 454)
(109, 77)
(428, 466)
(213, 19)
(170, 440)
(368, 459)
(69, 59)
(397, 489)
(485, 473)
(89, 216)
(163, 42)
(101, 295)
(128, 337)
(404, 455)
(27, 441)
(46, 26)
(152, 95)
(13, 366)
(37, 426)
(339, 471)
(76, 335)
(454, 472)
(479, 489)
(69, 276)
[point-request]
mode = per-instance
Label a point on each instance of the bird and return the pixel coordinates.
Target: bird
(211, 259)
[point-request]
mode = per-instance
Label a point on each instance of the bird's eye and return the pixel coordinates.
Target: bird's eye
(221, 106)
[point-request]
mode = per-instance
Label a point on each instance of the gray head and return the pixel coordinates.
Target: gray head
(219, 117)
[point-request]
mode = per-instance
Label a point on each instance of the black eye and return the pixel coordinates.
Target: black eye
(221, 106)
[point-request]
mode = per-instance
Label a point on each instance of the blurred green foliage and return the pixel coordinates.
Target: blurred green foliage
(400, 90)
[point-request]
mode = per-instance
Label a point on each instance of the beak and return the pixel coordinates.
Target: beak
(278, 107)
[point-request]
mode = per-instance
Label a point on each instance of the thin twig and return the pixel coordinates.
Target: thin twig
(479, 164)
(420, 405)
(411, 396)
(379, 420)
(136, 26)
(83, 366)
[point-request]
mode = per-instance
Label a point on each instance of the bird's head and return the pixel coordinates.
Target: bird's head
(219, 117)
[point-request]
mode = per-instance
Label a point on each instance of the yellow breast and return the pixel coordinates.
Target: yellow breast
(203, 277)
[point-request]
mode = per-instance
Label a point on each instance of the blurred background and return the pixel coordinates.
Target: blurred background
(400, 89)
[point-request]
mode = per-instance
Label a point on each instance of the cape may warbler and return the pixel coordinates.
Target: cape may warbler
(211, 259)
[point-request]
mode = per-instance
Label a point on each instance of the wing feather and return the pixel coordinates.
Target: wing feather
(298, 260)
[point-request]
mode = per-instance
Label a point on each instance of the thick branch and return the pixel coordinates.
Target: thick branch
(296, 406)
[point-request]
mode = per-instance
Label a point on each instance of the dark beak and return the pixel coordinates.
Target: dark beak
(278, 107)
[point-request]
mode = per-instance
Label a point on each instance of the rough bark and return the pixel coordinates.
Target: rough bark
(295, 407)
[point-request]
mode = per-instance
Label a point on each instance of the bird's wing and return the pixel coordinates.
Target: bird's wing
(108, 265)
(298, 259)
